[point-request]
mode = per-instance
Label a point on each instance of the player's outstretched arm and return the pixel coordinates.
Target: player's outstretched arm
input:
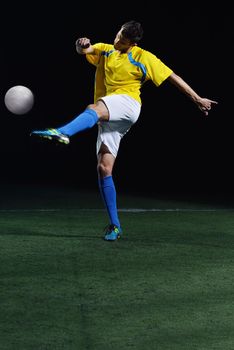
(83, 46)
(204, 104)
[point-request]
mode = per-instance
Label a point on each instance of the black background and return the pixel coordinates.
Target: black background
(172, 148)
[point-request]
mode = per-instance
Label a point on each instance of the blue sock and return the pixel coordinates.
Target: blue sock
(85, 120)
(108, 192)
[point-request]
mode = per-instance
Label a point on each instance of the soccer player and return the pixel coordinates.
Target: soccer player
(121, 70)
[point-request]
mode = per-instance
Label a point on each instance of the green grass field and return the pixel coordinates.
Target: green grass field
(167, 284)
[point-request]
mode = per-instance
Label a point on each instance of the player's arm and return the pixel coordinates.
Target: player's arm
(83, 46)
(204, 104)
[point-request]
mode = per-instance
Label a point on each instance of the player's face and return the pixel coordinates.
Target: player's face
(122, 44)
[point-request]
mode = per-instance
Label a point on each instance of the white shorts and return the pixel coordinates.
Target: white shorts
(123, 113)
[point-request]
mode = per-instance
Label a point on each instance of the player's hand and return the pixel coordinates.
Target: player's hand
(82, 43)
(205, 105)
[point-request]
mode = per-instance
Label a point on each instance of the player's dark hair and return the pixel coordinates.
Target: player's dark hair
(132, 31)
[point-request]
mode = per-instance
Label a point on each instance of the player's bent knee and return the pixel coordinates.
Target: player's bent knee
(101, 110)
(92, 106)
(95, 108)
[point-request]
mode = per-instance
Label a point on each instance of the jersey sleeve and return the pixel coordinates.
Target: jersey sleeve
(95, 57)
(156, 70)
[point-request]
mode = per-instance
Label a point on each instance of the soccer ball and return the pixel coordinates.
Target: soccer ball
(19, 99)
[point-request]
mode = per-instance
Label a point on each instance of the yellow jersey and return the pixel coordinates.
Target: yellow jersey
(125, 73)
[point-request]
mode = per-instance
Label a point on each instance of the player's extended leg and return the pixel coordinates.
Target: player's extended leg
(83, 121)
(108, 192)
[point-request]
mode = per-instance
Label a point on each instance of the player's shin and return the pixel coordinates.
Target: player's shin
(83, 121)
(108, 192)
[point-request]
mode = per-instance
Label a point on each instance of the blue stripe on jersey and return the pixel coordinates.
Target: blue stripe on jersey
(131, 59)
(138, 64)
(107, 53)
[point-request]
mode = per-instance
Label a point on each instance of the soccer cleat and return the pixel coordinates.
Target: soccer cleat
(51, 134)
(112, 233)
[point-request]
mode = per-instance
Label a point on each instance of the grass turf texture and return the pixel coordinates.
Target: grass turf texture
(166, 284)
